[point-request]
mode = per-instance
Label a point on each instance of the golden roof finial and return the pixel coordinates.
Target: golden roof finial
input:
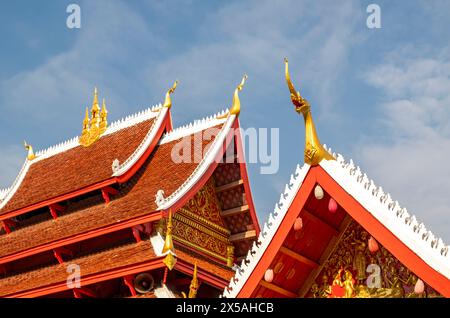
(30, 155)
(314, 151)
(168, 100)
(95, 120)
(95, 105)
(235, 108)
(94, 127)
(168, 248)
(103, 118)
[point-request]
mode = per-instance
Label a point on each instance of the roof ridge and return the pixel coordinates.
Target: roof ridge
(193, 126)
(122, 123)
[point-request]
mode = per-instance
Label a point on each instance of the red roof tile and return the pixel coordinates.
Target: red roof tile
(96, 263)
(159, 172)
(77, 167)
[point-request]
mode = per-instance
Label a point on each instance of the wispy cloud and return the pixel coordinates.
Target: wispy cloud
(413, 164)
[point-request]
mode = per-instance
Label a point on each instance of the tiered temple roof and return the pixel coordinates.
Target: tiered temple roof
(85, 205)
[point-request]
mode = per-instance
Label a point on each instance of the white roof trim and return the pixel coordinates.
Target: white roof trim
(131, 120)
(396, 219)
(209, 157)
(271, 226)
(192, 128)
(388, 212)
(139, 151)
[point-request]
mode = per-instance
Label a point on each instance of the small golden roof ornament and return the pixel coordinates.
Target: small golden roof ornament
(314, 151)
(168, 248)
(95, 126)
(168, 100)
(193, 287)
(30, 155)
(235, 108)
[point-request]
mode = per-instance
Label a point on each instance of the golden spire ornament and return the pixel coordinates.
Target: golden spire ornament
(95, 126)
(95, 119)
(314, 151)
(30, 155)
(103, 118)
(235, 108)
(84, 138)
(168, 248)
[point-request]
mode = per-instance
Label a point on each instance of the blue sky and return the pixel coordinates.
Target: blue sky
(379, 96)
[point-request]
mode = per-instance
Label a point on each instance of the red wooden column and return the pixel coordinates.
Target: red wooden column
(7, 224)
(56, 208)
(129, 281)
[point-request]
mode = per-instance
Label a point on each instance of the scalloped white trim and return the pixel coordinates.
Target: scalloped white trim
(131, 120)
(268, 231)
(396, 219)
(208, 158)
(192, 128)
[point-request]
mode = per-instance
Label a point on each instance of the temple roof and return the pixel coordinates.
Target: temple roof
(137, 200)
(412, 240)
(67, 167)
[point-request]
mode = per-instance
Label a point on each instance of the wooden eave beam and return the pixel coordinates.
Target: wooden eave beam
(298, 257)
(316, 219)
(229, 186)
(243, 236)
(331, 247)
(234, 211)
(277, 289)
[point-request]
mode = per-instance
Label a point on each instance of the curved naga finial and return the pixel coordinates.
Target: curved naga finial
(30, 155)
(314, 151)
(235, 108)
(168, 100)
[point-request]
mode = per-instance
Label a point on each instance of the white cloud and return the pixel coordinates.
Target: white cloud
(414, 164)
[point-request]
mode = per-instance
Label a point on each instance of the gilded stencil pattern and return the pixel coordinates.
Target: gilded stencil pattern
(205, 204)
(353, 271)
(198, 238)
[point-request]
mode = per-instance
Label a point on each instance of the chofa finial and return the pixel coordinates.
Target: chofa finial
(168, 100)
(30, 155)
(96, 125)
(235, 108)
(314, 151)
